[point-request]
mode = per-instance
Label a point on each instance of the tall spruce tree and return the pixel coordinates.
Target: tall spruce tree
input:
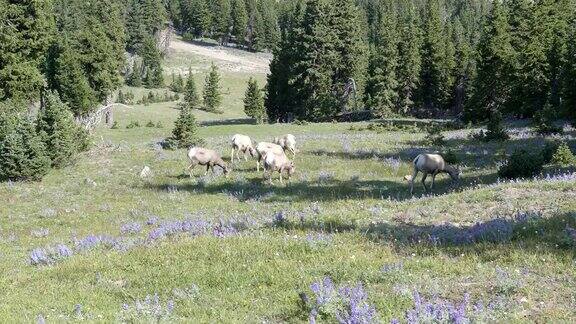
(57, 130)
(212, 93)
(496, 62)
(253, 102)
(191, 98)
(26, 33)
(185, 132)
(196, 17)
(239, 21)
(221, 19)
(436, 75)
(383, 83)
(408, 74)
(152, 62)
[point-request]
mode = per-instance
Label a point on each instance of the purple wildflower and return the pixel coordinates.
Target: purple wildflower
(131, 228)
(39, 256)
(152, 220)
(64, 251)
(356, 309)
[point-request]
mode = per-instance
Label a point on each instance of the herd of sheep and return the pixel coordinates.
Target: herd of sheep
(274, 159)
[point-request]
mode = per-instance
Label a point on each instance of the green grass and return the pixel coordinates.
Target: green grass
(344, 190)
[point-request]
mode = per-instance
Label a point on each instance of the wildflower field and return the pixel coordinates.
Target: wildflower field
(343, 241)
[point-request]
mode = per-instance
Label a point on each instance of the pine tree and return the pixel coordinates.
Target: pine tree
(22, 153)
(26, 33)
(212, 94)
(568, 88)
(177, 83)
(57, 129)
(239, 21)
(256, 40)
(408, 73)
(185, 132)
(151, 59)
(191, 98)
(351, 50)
(253, 102)
(497, 56)
(68, 78)
(135, 76)
(221, 19)
(196, 17)
(436, 76)
(383, 83)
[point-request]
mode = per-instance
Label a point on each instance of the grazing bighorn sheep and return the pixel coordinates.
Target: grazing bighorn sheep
(242, 143)
(209, 158)
(278, 162)
(264, 148)
(288, 143)
(431, 164)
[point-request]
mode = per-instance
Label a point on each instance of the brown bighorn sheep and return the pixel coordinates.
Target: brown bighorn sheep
(288, 143)
(431, 164)
(278, 162)
(264, 148)
(242, 143)
(209, 158)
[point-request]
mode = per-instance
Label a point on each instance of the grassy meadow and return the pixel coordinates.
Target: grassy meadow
(236, 249)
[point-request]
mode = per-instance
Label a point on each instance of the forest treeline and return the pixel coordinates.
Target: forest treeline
(470, 59)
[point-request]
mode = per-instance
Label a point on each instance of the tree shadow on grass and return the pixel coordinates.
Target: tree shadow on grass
(523, 230)
(228, 122)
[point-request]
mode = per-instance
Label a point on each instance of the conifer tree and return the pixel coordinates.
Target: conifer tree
(436, 75)
(177, 83)
(185, 132)
(57, 130)
(196, 17)
(22, 152)
(239, 21)
(212, 94)
(191, 98)
(410, 43)
(253, 102)
(221, 19)
(151, 59)
(496, 62)
(383, 83)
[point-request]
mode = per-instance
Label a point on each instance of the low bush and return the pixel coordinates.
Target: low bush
(521, 164)
(563, 156)
(133, 124)
(450, 157)
(435, 136)
(150, 124)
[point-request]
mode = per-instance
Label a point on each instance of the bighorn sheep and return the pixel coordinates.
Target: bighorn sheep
(264, 148)
(431, 164)
(278, 162)
(209, 158)
(288, 143)
(242, 143)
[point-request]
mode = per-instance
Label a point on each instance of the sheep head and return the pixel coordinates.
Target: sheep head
(454, 172)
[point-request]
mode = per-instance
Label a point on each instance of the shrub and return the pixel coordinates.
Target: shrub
(495, 130)
(159, 125)
(115, 125)
(133, 124)
(58, 131)
(22, 153)
(185, 131)
(450, 157)
(543, 121)
(548, 151)
(521, 164)
(150, 124)
(563, 156)
(435, 136)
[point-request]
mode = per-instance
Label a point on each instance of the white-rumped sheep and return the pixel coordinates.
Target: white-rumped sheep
(264, 148)
(242, 143)
(431, 164)
(209, 158)
(288, 143)
(280, 163)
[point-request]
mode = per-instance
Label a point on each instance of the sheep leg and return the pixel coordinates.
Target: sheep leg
(207, 169)
(281, 182)
(424, 181)
(191, 168)
(232, 155)
(433, 180)
(245, 156)
(414, 174)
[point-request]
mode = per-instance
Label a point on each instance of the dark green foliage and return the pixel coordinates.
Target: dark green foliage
(22, 153)
(27, 29)
(133, 124)
(543, 121)
(564, 156)
(521, 164)
(58, 130)
(239, 21)
(221, 19)
(144, 19)
(115, 125)
(409, 67)
(150, 124)
(212, 93)
(450, 157)
(253, 102)
(191, 97)
(185, 132)
(196, 18)
(548, 151)
(434, 135)
(495, 130)
(151, 60)
(177, 83)
(126, 98)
